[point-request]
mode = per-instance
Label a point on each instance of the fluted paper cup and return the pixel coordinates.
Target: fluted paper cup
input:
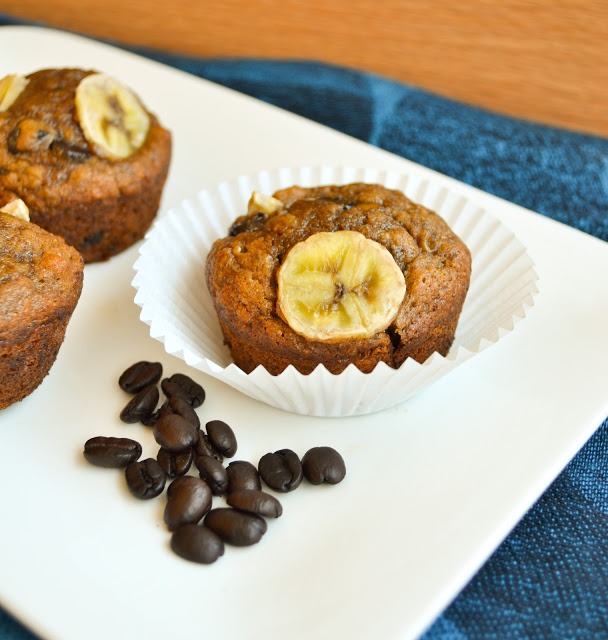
(174, 300)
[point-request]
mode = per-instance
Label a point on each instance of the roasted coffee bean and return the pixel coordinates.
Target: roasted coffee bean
(243, 475)
(189, 499)
(254, 501)
(281, 470)
(175, 464)
(213, 473)
(197, 543)
(323, 465)
(174, 433)
(145, 479)
(236, 527)
(203, 447)
(176, 404)
(184, 387)
(222, 437)
(112, 453)
(140, 406)
(140, 375)
(152, 419)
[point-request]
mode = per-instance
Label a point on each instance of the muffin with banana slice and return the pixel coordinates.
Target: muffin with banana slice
(40, 284)
(336, 275)
(85, 155)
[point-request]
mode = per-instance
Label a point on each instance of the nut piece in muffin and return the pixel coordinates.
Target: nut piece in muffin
(336, 275)
(40, 284)
(84, 154)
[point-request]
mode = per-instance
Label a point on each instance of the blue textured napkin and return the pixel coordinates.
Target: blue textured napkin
(549, 579)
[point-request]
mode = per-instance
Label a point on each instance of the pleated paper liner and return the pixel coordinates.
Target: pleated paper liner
(174, 301)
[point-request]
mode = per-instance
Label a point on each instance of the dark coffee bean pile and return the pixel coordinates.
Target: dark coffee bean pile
(200, 531)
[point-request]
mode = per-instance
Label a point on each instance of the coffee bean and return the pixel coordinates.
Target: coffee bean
(236, 527)
(203, 447)
(141, 406)
(197, 543)
(174, 433)
(213, 473)
(175, 464)
(145, 479)
(323, 465)
(140, 375)
(184, 387)
(176, 404)
(242, 475)
(222, 437)
(189, 499)
(111, 453)
(281, 470)
(254, 501)
(152, 419)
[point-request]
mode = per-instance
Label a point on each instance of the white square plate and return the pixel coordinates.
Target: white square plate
(433, 485)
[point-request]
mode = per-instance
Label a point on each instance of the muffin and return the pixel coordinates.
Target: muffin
(84, 154)
(40, 284)
(336, 275)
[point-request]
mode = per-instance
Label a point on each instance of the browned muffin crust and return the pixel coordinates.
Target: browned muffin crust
(97, 205)
(40, 284)
(241, 275)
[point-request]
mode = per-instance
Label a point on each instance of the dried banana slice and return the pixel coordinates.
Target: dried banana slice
(339, 285)
(262, 203)
(10, 88)
(111, 116)
(18, 209)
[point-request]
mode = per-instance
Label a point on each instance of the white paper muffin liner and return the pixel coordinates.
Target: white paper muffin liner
(175, 302)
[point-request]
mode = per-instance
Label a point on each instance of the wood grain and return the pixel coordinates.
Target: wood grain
(545, 61)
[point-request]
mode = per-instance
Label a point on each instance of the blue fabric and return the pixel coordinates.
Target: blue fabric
(561, 174)
(549, 578)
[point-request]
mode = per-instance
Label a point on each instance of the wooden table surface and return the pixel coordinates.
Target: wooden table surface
(546, 61)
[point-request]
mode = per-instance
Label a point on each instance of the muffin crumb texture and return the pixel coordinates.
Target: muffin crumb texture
(40, 283)
(99, 205)
(242, 268)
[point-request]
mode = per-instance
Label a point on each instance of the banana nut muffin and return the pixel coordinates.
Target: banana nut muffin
(40, 284)
(86, 157)
(302, 268)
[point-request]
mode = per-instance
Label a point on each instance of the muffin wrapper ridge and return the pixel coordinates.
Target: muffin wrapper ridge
(174, 301)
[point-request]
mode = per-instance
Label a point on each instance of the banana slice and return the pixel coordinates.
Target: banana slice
(339, 285)
(18, 209)
(262, 203)
(10, 88)
(112, 118)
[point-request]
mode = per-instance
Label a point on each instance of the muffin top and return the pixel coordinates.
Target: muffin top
(40, 276)
(242, 268)
(45, 158)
